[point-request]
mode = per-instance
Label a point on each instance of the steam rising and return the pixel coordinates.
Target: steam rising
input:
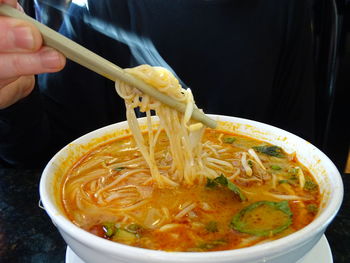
(141, 47)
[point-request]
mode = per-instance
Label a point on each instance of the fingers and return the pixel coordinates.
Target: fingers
(22, 64)
(16, 90)
(18, 36)
(9, 2)
(22, 56)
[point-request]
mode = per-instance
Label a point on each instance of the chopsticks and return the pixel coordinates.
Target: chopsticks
(98, 64)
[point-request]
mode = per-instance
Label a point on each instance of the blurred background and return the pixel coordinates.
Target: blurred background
(331, 35)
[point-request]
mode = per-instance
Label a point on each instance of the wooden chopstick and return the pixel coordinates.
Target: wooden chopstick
(98, 64)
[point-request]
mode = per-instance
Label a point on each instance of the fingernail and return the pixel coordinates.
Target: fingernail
(50, 58)
(23, 37)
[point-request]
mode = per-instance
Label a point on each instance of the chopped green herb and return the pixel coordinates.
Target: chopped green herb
(212, 244)
(293, 177)
(310, 185)
(275, 167)
(222, 180)
(286, 181)
(212, 226)
(245, 222)
(270, 150)
(211, 183)
(293, 171)
(118, 169)
(109, 229)
(234, 188)
(312, 208)
(250, 163)
(229, 139)
(283, 181)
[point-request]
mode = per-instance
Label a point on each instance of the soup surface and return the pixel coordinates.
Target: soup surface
(253, 192)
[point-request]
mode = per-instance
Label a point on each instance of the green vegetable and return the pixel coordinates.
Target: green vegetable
(117, 233)
(234, 188)
(312, 208)
(248, 219)
(283, 181)
(250, 163)
(270, 150)
(293, 177)
(211, 183)
(275, 167)
(212, 244)
(109, 229)
(293, 171)
(212, 226)
(118, 169)
(229, 139)
(123, 235)
(310, 185)
(222, 180)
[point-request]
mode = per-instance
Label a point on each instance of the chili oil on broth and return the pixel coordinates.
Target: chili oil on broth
(110, 193)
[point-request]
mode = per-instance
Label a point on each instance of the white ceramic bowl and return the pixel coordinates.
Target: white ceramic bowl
(289, 249)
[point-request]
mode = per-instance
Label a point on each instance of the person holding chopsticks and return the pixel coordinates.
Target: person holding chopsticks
(248, 59)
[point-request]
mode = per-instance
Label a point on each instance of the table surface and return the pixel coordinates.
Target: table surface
(27, 234)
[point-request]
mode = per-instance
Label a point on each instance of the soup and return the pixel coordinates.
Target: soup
(251, 192)
(185, 187)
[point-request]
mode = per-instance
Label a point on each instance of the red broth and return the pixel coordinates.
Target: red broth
(110, 193)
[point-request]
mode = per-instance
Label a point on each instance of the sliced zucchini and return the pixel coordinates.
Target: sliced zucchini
(263, 218)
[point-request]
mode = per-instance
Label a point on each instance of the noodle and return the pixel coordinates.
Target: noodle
(182, 187)
(184, 136)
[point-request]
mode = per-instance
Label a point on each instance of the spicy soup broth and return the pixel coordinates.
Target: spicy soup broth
(110, 193)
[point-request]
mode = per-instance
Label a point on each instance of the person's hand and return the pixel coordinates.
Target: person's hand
(21, 56)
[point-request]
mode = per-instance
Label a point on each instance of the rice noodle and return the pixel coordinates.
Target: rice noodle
(301, 177)
(89, 164)
(221, 162)
(256, 157)
(168, 227)
(287, 197)
(288, 188)
(134, 206)
(245, 165)
(248, 241)
(205, 206)
(118, 180)
(153, 218)
(248, 192)
(251, 179)
(185, 210)
(211, 148)
(235, 174)
(220, 138)
(274, 181)
(166, 212)
(184, 136)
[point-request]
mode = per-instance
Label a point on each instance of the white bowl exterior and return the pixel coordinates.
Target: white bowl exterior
(288, 249)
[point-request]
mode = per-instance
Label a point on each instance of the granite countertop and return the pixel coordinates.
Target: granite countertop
(27, 234)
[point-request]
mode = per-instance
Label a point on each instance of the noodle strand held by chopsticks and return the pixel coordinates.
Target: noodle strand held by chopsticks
(184, 135)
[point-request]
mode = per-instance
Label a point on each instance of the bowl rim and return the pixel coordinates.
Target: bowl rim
(274, 247)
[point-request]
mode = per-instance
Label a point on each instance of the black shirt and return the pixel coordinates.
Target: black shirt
(250, 59)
